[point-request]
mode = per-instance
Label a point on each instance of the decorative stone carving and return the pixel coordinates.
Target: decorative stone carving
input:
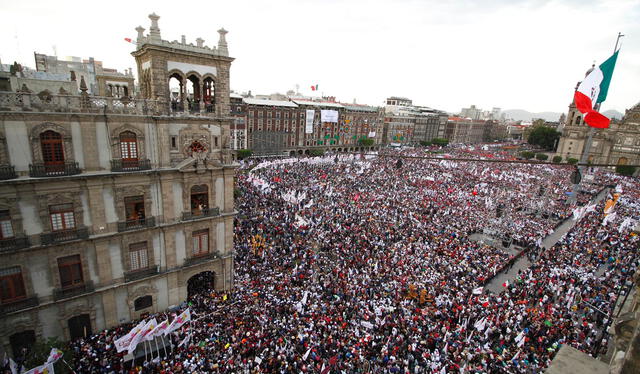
(196, 146)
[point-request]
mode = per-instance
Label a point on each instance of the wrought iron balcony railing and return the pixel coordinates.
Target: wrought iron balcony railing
(65, 293)
(7, 172)
(136, 224)
(120, 165)
(41, 170)
(14, 306)
(142, 273)
(14, 243)
(203, 213)
(64, 235)
(201, 258)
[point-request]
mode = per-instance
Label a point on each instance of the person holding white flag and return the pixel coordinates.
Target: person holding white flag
(183, 318)
(122, 344)
(142, 335)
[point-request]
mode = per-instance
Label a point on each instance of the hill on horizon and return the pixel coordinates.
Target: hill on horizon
(524, 115)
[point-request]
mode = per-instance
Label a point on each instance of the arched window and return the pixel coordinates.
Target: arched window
(52, 150)
(128, 147)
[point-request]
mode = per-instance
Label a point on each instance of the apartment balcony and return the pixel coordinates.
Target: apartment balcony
(142, 273)
(14, 306)
(64, 236)
(65, 293)
(41, 170)
(201, 258)
(14, 243)
(204, 213)
(136, 224)
(7, 172)
(119, 165)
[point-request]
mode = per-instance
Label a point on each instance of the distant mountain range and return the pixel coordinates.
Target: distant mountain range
(523, 115)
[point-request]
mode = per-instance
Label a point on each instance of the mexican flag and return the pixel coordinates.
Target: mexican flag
(593, 90)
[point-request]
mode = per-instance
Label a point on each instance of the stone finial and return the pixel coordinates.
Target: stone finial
(222, 42)
(200, 42)
(83, 85)
(154, 30)
(183, 40)
(140, 30)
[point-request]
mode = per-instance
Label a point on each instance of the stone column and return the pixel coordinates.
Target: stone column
(103, 257)
(109, 308)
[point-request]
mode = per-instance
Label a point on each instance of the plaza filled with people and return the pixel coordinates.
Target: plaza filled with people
(364, 264)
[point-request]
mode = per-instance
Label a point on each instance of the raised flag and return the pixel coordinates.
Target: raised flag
(158, 330)
(142, 335)
(593, 90)
(314, 87)
(183, 318)
(54, 355)
(122, 344)
(43, 369)
(185, 340)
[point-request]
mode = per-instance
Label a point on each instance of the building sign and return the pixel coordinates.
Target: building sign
(309, 125)
(329, 116)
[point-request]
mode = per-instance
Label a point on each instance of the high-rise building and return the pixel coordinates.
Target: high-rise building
(111, 205)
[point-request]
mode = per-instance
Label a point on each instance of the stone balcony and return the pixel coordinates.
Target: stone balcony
(42, 171)
(65, 293)
(64, 236)
(18, 305)
(204, 213)
(136, 224)
(7, 172)
(119, 165)
(9, 244)
(46, 102)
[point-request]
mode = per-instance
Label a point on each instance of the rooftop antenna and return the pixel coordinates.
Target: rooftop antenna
(55, 50)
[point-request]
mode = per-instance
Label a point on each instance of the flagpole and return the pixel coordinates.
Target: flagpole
(587, 146)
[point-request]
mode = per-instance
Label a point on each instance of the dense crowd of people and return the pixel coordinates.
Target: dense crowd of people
(365, 265)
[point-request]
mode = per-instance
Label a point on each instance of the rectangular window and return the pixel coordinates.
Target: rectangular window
(277, 114)
(269, 114)
(11, 284)
(62, 217)
(6, 228)
(70, 269)
(174, 142)
(134, 208)
(200, 242)
(215, 141)
(138, 256)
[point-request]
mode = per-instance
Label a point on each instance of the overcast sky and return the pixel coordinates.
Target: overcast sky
(444, 54)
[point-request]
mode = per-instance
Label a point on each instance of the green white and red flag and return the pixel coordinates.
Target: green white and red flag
(593, 90)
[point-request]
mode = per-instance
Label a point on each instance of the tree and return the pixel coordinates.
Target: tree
(557, 159)
(316, 152)
(366, 142)
(425, 143)
(572, 161)
(543, 136)
(440, 141)
(627, 170)
(527, 155)
(243, 153)
(541, 156)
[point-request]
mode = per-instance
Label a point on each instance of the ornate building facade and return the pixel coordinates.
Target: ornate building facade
(111, 204)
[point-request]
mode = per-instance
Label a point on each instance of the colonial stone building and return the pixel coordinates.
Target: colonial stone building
(405, 123)
(617, 145)
(278, 127)
(110, 204)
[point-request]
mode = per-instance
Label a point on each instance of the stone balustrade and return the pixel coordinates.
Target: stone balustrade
(30, 102)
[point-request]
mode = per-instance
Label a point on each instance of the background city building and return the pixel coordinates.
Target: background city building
(111, 204)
